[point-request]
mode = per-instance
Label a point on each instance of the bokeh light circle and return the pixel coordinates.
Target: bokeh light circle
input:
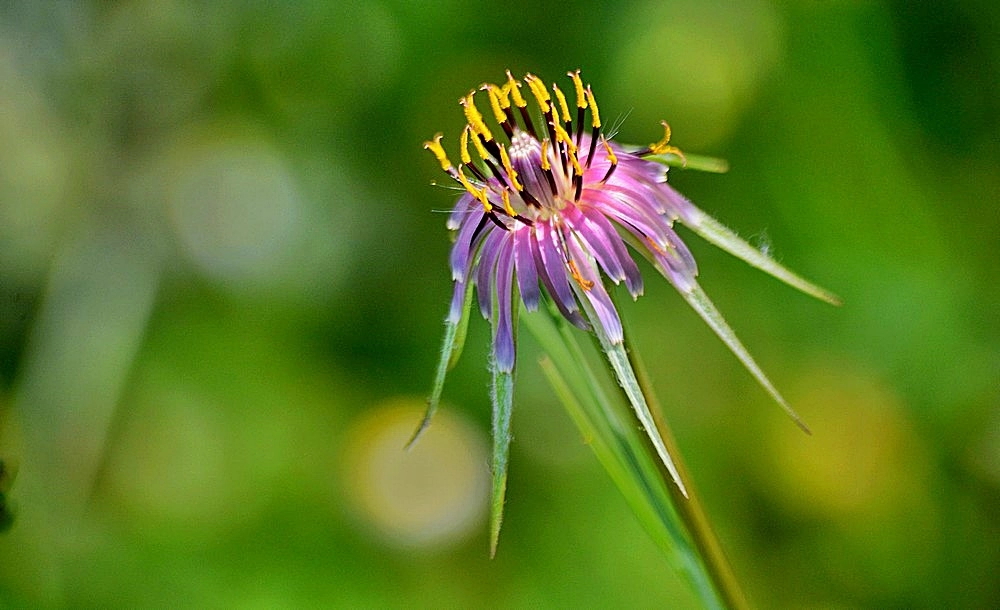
(433, 494)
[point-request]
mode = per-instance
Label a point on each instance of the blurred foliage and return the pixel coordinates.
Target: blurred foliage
(221, 261)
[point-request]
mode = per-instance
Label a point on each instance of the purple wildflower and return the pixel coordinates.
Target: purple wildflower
(552, 210)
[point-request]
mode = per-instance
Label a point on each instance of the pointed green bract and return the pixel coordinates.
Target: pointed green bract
(626, 377)
(503, 399)
(702, 163)
(700, 302)
(715, 232)
(451, 348)
(603, 418)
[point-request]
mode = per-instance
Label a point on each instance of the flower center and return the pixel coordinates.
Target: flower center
(538, 172)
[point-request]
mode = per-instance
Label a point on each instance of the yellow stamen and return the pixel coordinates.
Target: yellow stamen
(512, 88)
(505, 195)
(495, 103)
(555, 114)
(505, 160)
(546, 166)
(562, 136)
(502, 94)
(463, 142)
(612, 159)
(581, 97)
(594, 112)
(662, 147)
(576, 164)
(538, 90)
(573, 271)
(473, 116)
(479, 194)
(435, 147)
(562, 104)
(479, 145)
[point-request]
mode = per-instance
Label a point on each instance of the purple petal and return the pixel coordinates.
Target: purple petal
(484, 272)
(457, 301)
(527, 277)
(595, 243)
(551, 266)
(465, 244)
(607, 321)
(503, 331)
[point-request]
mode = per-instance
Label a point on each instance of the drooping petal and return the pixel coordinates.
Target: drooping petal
(552, 270)
(595, 243)
(527, 276)
(466, 243)
(484, 271)
(603, 228)
(605, 322)
(503, 330)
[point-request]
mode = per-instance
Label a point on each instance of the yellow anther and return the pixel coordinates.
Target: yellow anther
(594, 112)
(612, 159)
(538, 90)
(505, 195)
(435, 147)
(478, 144)
(662, 144)
(463, 143)
(576, 163)
(546, 166)
(495, 104)
(662, 147)
(562, 136)
(502, 94)
(505, 160)
(581, 98)
(479, 194)
(512, 88)
(555, 114)
(562, 104)
(473, 116)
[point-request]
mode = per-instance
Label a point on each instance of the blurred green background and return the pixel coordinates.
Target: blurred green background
(223, 272)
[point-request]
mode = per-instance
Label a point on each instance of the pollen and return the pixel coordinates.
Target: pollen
(513, 85)
(474, 117)
(581, 97)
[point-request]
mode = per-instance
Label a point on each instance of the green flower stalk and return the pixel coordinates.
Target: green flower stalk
(552, 213)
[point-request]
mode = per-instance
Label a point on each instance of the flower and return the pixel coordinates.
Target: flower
(554, 210)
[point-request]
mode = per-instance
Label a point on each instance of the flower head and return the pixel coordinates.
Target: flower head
(554, 209)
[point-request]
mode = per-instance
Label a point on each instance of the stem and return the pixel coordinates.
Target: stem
(688, 508)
